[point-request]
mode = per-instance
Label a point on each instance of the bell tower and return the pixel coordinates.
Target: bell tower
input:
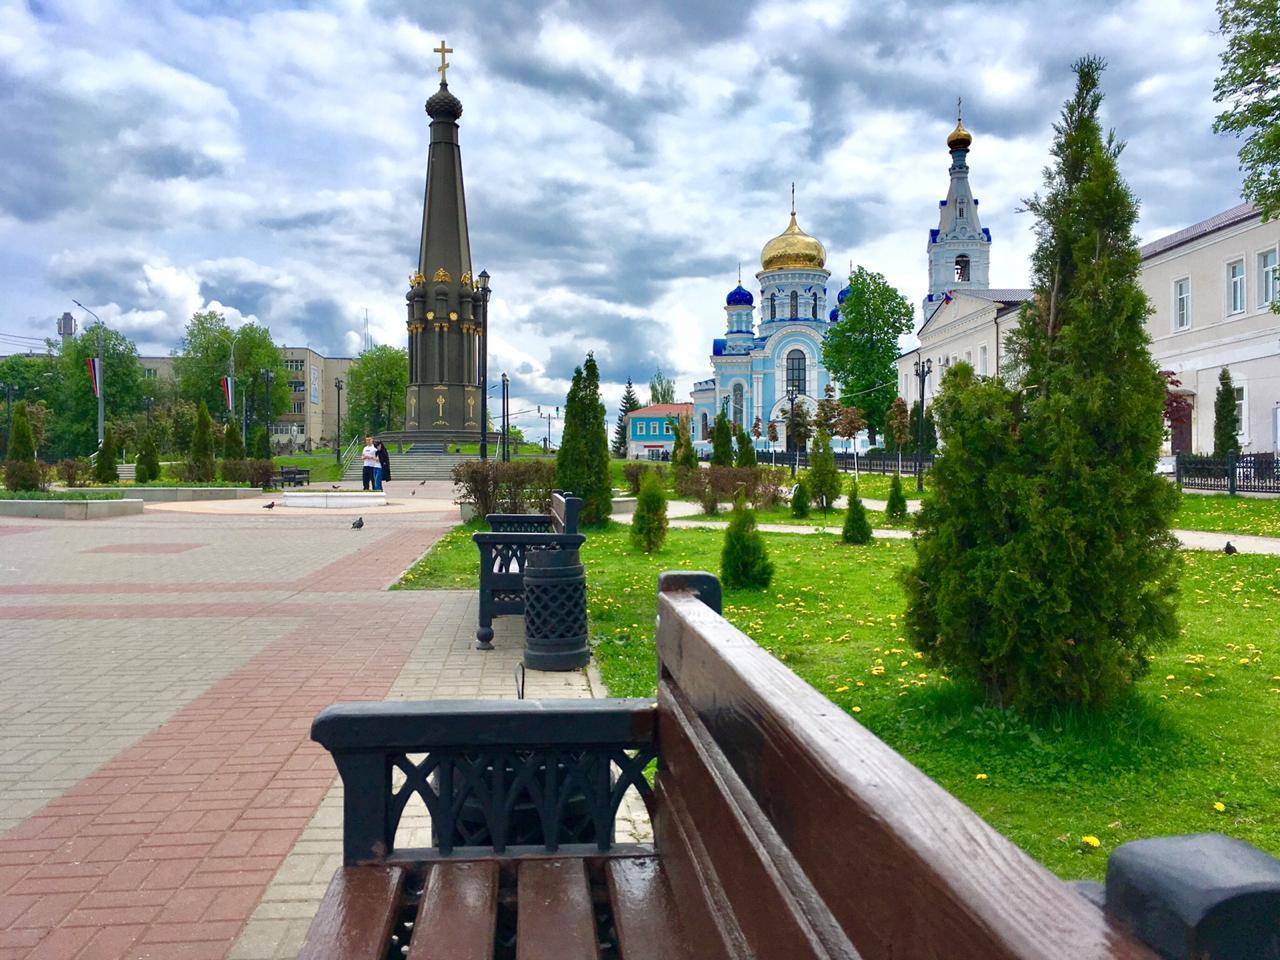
(443, 303)
(960, 248)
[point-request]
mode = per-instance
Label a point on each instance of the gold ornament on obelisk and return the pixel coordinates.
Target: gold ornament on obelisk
(440, 404)
(471, 406)
(442, 276)
(416, 279)
(466, 280)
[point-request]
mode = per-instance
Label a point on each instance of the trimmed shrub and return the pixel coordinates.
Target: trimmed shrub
(259, 447)
(744, 561)
(770, 482)
(104, 467)
(22, 475)
(521, 486)
(722, 442)
(746, 454)
(22, 443)
(148, 463)
(69, 472)
(897, 508)
(232, 442)
(856, 527)
(800, 500)
(649, 525)
(635, 471)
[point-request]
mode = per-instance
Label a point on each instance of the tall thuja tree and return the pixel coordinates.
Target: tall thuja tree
(1226, 419)
(582, 463)
(21, 471)
(722, 442)
(200, 463)
(629, 402)
(1045, 570)
(746, 453)
(824, 480)
(232, 443)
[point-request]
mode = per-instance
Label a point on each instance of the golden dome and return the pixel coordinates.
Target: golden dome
(793, 249)
(960, 138)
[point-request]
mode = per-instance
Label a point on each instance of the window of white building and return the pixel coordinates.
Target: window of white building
(1266, 277)
(1242, 411)
(1181, 304)
(982, 360)
(1235, 287)
(640, 428)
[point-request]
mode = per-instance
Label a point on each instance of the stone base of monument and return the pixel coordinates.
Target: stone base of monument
(333, 499)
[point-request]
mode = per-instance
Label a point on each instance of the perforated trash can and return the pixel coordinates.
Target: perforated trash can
(555, 610)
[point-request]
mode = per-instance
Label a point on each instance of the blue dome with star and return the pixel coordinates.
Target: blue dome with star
(840, 297)
(739, 296)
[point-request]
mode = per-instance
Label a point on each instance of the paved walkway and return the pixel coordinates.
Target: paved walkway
(158, 676)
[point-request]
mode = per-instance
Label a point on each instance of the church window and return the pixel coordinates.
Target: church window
(796, 371)
(795, 304)
(773, 306)
(962, 268)
(737, 404)
(815, 307)
(706, 427)
(960, 210)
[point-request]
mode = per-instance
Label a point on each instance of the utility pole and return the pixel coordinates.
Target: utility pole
(506, 419)
(482, 282)
(337, 443)
(922, 374)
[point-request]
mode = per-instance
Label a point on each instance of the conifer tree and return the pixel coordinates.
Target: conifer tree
(744, 560)
(684, 457)
(629, 402)
(21, 472)
(147, 465)
(800, 500)
(857, 529)
(104, 467)
(1066, 582)
(1226, 421)
(649, 524)
(896, 509)
(823, 481)
(722, 442)
(582, 463)
(746, 453)
(232, 443)
(200, 461)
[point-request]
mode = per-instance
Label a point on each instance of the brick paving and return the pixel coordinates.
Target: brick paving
(158, 676)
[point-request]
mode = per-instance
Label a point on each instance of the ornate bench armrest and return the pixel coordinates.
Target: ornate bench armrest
(485, 760)
(521, 522)
(530, 539)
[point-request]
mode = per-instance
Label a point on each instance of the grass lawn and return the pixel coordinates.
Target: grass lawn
(1200, 729)
(323, 466)
(1229, 514)
(833, 520)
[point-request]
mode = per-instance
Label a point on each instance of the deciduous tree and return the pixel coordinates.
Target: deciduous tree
(1249, 88)
(661, 389)
(376, 384)
(861, 349)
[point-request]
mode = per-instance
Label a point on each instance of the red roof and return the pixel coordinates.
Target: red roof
(665, 410)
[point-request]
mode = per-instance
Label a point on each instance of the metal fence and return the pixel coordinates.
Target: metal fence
(1245, 473)
(886, 464)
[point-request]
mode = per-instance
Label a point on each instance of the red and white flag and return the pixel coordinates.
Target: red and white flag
(95, 376)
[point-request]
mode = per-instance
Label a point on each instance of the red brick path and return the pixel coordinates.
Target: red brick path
(165, 850)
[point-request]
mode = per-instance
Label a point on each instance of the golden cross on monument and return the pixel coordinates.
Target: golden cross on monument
(440, 404)
(444, 64)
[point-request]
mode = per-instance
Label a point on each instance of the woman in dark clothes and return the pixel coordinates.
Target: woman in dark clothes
(384, 458)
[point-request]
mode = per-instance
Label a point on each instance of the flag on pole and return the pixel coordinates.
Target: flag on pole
(95, 376)
(226, 391)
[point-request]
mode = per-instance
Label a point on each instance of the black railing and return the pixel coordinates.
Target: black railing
(886, 464)
(1245, 473)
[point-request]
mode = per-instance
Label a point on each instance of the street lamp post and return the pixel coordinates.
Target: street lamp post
(267, 377)
(337, 443)
(922, 374)
(101, 372)
(506, 421)
(482, 282)
(231, 377)
(792, 395)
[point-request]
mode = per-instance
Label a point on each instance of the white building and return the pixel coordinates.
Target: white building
(1212, 287)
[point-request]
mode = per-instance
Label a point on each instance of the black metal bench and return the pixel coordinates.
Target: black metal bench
(782, 829)
(502, 556)
(291, 476)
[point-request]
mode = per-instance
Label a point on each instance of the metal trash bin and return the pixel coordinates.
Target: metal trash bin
(555, 610)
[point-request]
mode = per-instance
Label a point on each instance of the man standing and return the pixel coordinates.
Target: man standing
(369, 457)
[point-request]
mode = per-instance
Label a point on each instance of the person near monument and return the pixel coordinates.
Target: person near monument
(384, 464)
(369, 458)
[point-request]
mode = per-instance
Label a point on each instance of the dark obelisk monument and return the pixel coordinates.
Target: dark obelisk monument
(445, 312)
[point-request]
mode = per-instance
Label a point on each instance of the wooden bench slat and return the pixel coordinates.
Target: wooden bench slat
(458, 914)
(645, 915)
(354, 920)
(554, 918)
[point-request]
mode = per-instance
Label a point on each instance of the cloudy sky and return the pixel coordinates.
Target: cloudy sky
(621, 159)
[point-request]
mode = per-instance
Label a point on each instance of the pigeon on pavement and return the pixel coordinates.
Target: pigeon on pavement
(421, 482)
(359, 524)
(269, 506)
(1229, 549)
(413, 493)
(335, 486)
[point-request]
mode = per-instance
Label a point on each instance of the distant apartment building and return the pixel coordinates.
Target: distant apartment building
(312, 418)
(1212, 289)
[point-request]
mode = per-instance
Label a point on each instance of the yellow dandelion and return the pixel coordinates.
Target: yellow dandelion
(841, 689)
(1219, 806)
(1091, 841)
(980, 776)
(856, 709)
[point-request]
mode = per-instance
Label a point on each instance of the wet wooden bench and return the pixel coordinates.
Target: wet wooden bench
(502, 554)
(782, 829)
